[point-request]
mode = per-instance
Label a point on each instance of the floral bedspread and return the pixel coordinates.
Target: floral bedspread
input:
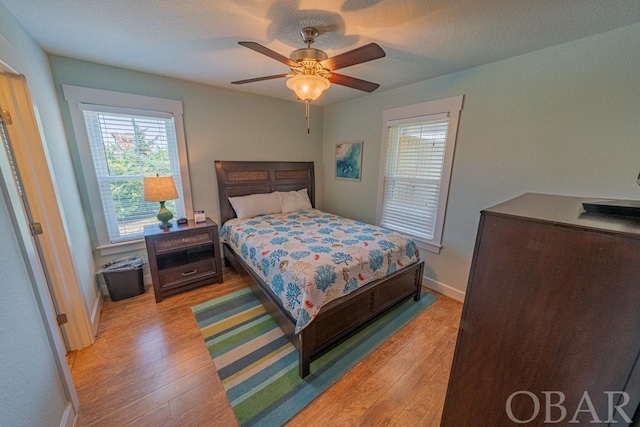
(310, 257)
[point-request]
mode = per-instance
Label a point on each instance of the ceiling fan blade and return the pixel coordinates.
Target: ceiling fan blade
(352, 82)
(356, 56)
(259, 79)
(268, 52)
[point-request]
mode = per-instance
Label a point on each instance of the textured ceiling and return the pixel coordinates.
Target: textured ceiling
(197, 40)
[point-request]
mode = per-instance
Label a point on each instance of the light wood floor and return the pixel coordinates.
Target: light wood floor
(149, 367)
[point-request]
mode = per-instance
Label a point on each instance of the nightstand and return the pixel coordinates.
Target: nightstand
(183, 257)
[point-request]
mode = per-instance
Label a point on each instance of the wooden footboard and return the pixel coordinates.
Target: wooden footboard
(340, 318)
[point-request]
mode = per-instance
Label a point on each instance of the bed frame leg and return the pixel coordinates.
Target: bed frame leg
(304, 359)
(419, 273)
(304, 368)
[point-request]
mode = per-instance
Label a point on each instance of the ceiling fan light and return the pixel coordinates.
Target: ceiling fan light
(308, 87)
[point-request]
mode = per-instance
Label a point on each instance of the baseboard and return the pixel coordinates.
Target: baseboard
(69, 418)
(445, 290)
(95, 313)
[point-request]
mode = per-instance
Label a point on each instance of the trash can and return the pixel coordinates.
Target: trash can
(123, 277)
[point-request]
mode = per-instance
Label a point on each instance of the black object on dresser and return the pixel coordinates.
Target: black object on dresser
(552, 305)
(183, 257)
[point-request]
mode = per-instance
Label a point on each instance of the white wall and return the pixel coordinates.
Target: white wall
(32, 393)
(220, 124)
(563, 120)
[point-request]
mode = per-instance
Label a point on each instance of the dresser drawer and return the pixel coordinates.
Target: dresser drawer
(188, 273)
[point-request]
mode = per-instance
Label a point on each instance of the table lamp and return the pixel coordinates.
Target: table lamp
(160, 189)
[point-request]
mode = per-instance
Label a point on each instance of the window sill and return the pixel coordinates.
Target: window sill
(431, 247)
(420, 243)
(118, 248)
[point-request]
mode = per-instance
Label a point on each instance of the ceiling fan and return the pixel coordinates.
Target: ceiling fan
(312, 71)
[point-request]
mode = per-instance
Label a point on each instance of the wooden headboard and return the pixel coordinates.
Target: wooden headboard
(244, 178)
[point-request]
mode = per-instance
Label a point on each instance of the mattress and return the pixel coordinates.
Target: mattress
(310, 257)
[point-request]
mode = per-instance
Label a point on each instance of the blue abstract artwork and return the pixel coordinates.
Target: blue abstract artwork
(349, 161)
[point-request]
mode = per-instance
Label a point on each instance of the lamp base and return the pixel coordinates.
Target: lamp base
(164, 216)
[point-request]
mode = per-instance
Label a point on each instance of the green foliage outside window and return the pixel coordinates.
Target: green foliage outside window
(131, 156)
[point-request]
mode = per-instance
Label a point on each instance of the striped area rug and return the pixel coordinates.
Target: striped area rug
(258, 365)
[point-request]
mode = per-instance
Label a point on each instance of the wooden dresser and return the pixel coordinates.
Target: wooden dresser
(552, 304)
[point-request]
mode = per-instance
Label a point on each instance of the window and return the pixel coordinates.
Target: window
(125, 147)
(122, 138)
(418, 145)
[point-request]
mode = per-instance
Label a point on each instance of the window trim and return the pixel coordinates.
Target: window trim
(413, 113)
(78, 97)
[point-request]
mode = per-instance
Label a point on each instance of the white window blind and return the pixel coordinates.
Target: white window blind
(125, 146)
(413, 174)
(418, 144)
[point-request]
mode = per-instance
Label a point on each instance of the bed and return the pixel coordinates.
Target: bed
(340, 317)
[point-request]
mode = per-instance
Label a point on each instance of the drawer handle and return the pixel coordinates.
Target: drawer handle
(189, 273)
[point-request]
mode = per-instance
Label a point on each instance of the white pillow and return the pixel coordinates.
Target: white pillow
(256, 204)
(293, 201)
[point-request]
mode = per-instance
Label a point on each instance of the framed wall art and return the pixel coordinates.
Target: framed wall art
(349, 161)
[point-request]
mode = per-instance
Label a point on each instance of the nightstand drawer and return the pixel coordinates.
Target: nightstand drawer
(185, 274)
(183, 240)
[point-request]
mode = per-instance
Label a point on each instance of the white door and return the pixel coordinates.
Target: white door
(35, 228)
(28, 156)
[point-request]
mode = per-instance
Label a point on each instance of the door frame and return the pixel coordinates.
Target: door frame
(9, 191)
